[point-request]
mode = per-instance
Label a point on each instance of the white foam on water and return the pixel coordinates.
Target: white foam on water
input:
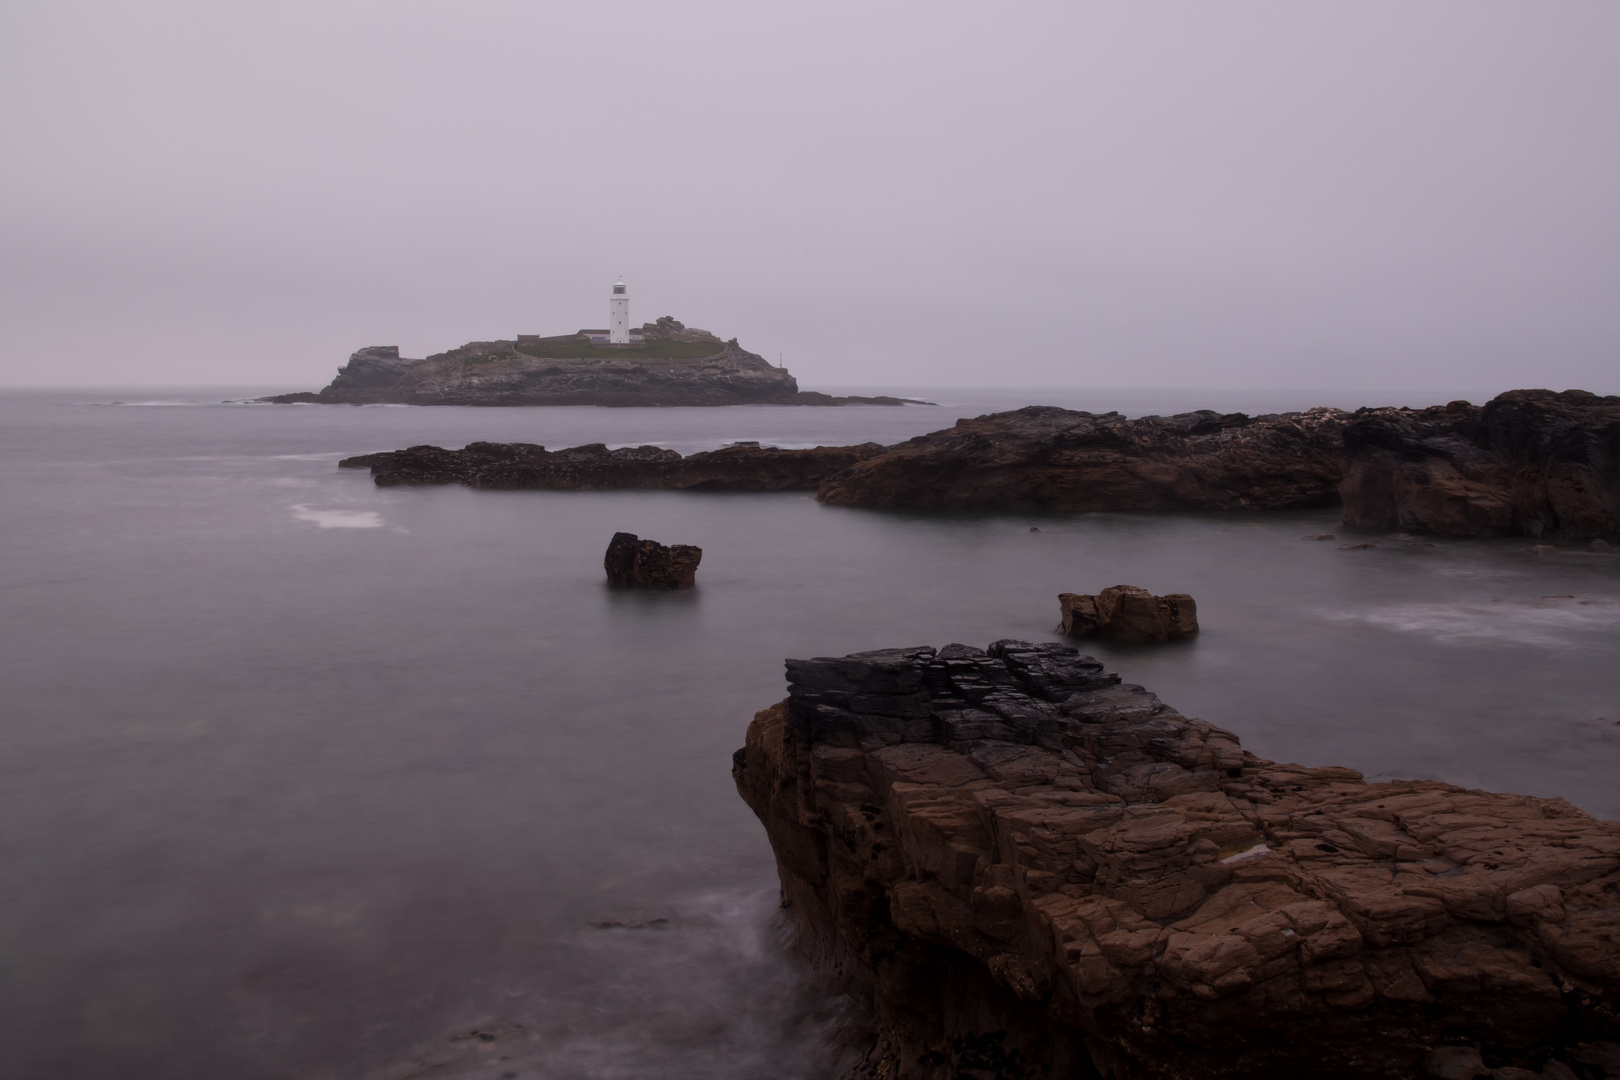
(1547, 621)
(338, 519)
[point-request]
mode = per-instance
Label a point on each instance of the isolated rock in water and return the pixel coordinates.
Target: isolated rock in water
(1127, 613)
(1030, 870)
(646, 564)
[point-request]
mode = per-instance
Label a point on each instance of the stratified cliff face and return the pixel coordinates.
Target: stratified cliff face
(512, 466)
(1035, 871)
(671, 365)
(1529, 463)
(1048, 458)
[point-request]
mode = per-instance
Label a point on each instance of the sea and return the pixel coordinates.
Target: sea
(305, 778)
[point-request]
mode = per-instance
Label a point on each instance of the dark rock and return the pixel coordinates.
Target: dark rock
(1127, 613)
(594, 467)
(1028, 879)
(1042, 457)
(1320, 536)
(633, 563)
(1529, 463)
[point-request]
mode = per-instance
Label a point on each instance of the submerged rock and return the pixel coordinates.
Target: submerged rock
(1031, 869)
(634, 563)
(1127, 613)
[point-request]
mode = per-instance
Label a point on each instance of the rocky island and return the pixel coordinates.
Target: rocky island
(1029, 869)
(664, 363)
(1528, 463)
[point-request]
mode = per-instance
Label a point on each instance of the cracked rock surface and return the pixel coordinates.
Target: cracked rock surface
(1032, 869)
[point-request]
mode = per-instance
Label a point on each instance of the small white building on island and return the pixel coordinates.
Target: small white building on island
(619, 315)
(618, 330)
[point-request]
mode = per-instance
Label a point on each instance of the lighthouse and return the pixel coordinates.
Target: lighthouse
(619, 316)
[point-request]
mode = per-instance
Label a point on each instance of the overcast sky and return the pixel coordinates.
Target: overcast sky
(1350, 195)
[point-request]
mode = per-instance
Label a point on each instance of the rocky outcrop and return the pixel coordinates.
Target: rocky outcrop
(740, 467)
(634, 563)
(1129, 614)
(1031, 869)
(1528, 463)
(1045, 458)
(664, 364)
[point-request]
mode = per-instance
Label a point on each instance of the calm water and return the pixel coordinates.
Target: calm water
(303, 778)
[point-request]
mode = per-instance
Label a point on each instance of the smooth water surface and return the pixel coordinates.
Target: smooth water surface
(300, 777)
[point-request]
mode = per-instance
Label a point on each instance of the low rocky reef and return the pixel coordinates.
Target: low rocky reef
(1129, 614)
(665, 364)
(1529, 463)
(634, 563)
(510, 466)
(1030, 869)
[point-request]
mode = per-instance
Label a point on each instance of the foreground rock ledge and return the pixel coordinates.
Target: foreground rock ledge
(1031, 869)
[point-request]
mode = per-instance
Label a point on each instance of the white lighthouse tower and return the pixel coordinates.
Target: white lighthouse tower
(619, 316)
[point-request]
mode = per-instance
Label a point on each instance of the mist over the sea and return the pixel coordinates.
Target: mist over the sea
(1342, 196)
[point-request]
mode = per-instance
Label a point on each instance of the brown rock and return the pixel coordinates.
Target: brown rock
(1127, 613)
(634, 563)
(1021, 861)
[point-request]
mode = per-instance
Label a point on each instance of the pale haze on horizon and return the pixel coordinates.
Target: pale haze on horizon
(1367, 196)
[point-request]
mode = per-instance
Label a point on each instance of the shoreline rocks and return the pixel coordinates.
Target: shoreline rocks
(1128, 614)
(1031, 869)
(1530, 463)
(634, 563)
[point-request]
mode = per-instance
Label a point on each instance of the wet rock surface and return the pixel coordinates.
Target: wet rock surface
(1033, 869)
(634, 563)
(594, 467)
(1129, 614)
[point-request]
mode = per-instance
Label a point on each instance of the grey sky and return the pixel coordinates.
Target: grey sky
(1364, 195)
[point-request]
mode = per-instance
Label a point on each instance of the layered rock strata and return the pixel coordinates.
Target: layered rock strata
(634, 563)
(1528, 463)
(741, 467)
(665, 364)
(1129, 614)
(1031, 869)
